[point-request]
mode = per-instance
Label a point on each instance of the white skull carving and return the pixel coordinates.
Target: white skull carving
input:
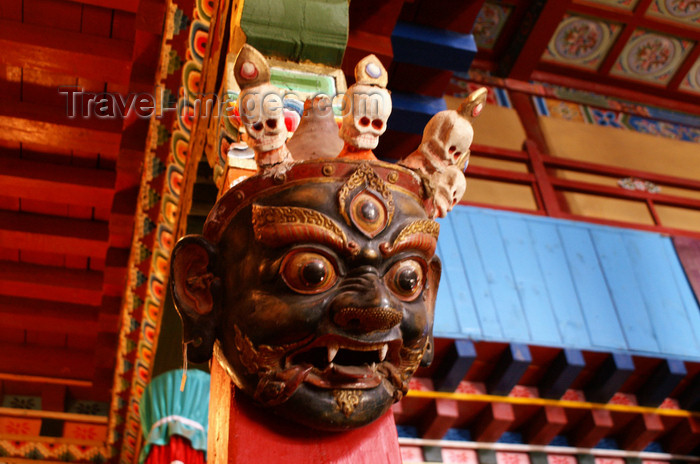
(261, 112)
(446, 141)
(367, 109)
(448, 187)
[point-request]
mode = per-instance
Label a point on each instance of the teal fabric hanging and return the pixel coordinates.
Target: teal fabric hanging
(166, 411)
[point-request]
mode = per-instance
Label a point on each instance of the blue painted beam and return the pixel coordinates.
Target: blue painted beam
(509, 368)
(411, 112)
(611, 375)
(561, 373)
(455, 365)
(432, 47)
(662, 382)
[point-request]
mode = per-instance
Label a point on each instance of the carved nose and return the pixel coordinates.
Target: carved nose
(370, 310)
(367, 319)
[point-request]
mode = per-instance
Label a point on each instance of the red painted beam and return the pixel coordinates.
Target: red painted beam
(48, 316)
(643, 429)
(50, 127)
(66, 52)
(50, 283)
(439, 418)
(124, 5)
(51, 234)
(601, 169)
(64, 363)
(594, 426)
(537, 41)
(684, 438)
(545, 425)
(493, 422)
(56, 182)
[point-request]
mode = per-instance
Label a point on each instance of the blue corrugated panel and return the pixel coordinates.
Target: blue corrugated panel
(549, 282)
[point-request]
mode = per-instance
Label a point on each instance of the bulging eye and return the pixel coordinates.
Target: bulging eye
(406, 279)
(308, 272)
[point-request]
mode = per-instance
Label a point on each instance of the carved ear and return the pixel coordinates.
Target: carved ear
(195, 288)
(433, 280)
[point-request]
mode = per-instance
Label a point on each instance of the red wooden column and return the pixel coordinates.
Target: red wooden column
(245, 434)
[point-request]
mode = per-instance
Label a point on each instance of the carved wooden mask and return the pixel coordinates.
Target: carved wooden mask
(315, 289)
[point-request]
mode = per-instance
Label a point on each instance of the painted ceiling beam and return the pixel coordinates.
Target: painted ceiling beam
(49, 127)
(46, 361)
(66, 52)
(51, 234)
(57, 182)
(50, 283)
(131, 6)
(48, 316)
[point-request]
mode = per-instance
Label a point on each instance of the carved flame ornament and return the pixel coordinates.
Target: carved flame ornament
(315, 287)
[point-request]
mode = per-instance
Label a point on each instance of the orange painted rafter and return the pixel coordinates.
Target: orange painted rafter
(50, 283)
(66, 52)
(48, 316)
(56, 182)
(49, 126)
(51, 234)
(46, 361)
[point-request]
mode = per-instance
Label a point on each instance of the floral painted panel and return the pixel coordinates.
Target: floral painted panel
(489, 24)
(691, 82)
(581, 42)
(651, 57)
(682, 11)
(621, 4)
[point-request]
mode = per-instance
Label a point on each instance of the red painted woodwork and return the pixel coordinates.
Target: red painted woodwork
(47, 316)
(66, 52)
(594, 426)
(537, 41)
(644, 429)
(57, 183)
(684, 438)
(56, 362)
(545, 425)
(441, 416)
(493, 422)
(242, 433)
(51, 283)
(53, 234)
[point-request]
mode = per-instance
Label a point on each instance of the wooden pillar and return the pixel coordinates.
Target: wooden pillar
(241, 432)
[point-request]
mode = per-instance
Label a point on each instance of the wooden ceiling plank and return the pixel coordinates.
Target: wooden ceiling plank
(66, 52)
(46, 361)
(50, 127)
(538, 39)
(51, 234)
(56, 182)
(50, 283)
(131, 6)
(48, 316)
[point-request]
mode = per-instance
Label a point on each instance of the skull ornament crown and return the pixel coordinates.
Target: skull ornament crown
(314, 287)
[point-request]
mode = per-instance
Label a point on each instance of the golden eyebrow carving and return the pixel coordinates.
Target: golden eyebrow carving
(281, 225)
(420, 235)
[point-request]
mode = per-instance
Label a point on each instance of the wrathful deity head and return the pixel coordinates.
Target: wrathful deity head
(315, 291)
(313, 283)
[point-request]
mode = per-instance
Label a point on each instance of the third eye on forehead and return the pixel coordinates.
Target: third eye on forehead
(257, 106)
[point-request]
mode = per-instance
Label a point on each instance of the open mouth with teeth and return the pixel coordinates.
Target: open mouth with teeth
(344, 363)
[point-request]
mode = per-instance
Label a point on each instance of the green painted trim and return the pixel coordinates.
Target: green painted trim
(298, 30)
